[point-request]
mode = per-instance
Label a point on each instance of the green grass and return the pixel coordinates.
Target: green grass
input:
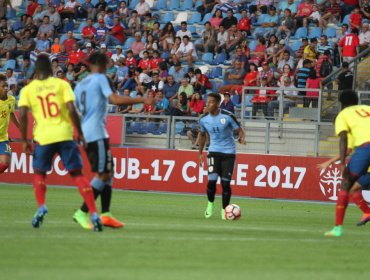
(166, 237)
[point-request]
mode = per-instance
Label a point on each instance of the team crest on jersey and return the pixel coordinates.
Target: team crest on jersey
(223, 120)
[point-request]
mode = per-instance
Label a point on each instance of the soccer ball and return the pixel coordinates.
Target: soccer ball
(233, 212)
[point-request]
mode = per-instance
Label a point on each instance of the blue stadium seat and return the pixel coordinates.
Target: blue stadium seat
(134, 127)
(128, 42)
(300, 33)
(206, 18)
(215, 73)
(346, 20)
(216, 86)
(165, 55)
(252, 45)
(11, 63)
(133, 4)
(238, 16)
(174, 5)
(179, 127)
(219, 59)
(187, 5)
(257, 32)
(330, 32)
(195, 18)
(63, 38)
(162, 128)
(168, 17)
(207, 57)
(235, 99)
(82, 25)
(152, 128)
(11, 13)
(296, 45)
(315, 33)
(160, 5)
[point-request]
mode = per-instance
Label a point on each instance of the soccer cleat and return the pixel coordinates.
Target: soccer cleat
(82, 219)
(209, 211)
(365, 218)
(108, 220)
(39, 216)
(223, 217)
(337, 231)
(97, 224)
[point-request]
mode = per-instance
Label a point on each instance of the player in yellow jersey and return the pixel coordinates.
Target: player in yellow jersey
(7, 104)
(354, 119)
(51, 101)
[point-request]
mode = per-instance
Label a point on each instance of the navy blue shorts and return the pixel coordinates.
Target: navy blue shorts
(364, 181)
(67, 150)
(5, 148)
(360, 161)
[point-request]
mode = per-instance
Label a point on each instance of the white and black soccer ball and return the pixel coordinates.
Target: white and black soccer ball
(232, 212)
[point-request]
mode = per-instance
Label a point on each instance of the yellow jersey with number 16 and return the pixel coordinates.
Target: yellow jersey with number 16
(47, 101)
(6, 108)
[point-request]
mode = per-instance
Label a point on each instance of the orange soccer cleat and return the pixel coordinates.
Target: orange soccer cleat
(109, 221)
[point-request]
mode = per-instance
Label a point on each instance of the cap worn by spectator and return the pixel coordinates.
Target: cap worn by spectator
(88, 45)
(265, 63)
(272, 8)
(227, 94)
(103, 46)
(138, 34)
(282, 42)
(118, 47)
(101, 20)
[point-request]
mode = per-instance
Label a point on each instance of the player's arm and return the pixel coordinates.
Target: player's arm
(26, 145)
(241, 134)
(343, 144)
(76, 121)
(14, 119)
(202, 142)
(126, 100)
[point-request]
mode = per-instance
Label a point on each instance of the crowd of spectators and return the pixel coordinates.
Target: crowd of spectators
(148, 56)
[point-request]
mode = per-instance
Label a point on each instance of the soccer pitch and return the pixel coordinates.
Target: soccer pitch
(167, 237)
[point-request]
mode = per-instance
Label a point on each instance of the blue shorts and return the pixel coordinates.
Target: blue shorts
(360, 161)
(67, 150)
(364, 181)
(5, 148)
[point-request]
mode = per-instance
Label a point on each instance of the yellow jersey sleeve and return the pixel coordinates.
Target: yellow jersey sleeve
(341, 123)
(23, 99)
(6, 108)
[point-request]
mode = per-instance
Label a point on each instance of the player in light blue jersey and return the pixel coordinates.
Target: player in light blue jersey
(220, 125)
(92, 96)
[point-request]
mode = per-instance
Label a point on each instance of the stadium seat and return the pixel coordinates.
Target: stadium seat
(179, 127)
(315, 33)
(219, 59)
(252, 45)
(194, 18)
(133, 93)
(346, 20)
(238, 16)
(206, 18)
(160, 5)
(193, 31)
(94, 2)
(128, 42)
(204, 69)
(162, 128)
(174, 5)
(152, 128)
(216, 86)
(187, 5)
(215, 73)
(296, 45)
(257, 32)
(11, 14)
(168, 17)
(235, 99)
(82, 25)
(206, 58)
(198, 3)
(134, 127)
(11, 63)
(63, 38)
(182, 16)
(330, 32)
(300, 33)
(165, 55)
(133, 4)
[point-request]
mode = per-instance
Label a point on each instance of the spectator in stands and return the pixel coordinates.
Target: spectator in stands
(300, 51)
(88, 10)
(88, 32)
(230, 20)
(149, 109)
(208, 39)
(142, 8)
(55, 47)
(88, 51)
(27, 71)
(304, 11)
(258, 55)
(272, 48)
(244, 24)
(150, 46)
(130, 82)
(221, 40)
(4, 8)
(216, 19)
(148, 23)
(206, 7)
(27, 44)
(62, 57)
(310, 51)
(144, 63)
(118, 55)
(156, 32)
(331, 14)
(240, 56)
(349, 45)
(123, 11)
(348, 6)
(54, 17)
(227, 104)
(69, 42)
(70, 74)
(323, 57)
(82, 73)
(287, 71)
(100, 6)
(287, 4)
(137, 46)
(156, 84)
(281, 47)
(124, 109)
(365, 9)
(8, 46)
(55, 66)
(302, 75)
(345, 78)
(60, 75)
(364, 36)
(134, 23)
(4, 29)
(261, 6)
(234, 37)
(122, 72)
(286, 26)
(116, 35)
(109, 19)
(261, 98)
(155, 61)
(202, 82)
(289, 97)
(31, 7)
(170, 89)
(100, 33)
(324, 45)
(355, 18)
(266, 73)
(161, 104)
(186, 51)
(313, 82)
(42, 44)
(111, 71)
(186, 87)
(142, 80)
(69, 9)
(314, 17)
(270, 23)
(76, 56)
(196, 105)
(46, 27)
(287, 59)
(233, 76)
(183, 31)
(181, 107)
(250, 80)
(167, 37)
(10, 77)
(130, 60)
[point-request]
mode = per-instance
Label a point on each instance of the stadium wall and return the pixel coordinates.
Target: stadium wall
(265, 176)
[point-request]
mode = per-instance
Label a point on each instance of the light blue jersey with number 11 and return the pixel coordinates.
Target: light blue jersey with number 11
(92, 99)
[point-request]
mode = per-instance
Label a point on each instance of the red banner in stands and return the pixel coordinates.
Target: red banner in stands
(264, 176)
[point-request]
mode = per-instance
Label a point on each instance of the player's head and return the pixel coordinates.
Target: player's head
(213, 102)
(348, 98)
(43, 68)
(3, 86)
(98, 62)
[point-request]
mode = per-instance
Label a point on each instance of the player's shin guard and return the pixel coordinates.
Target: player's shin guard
(226, 193)
(86, 192)
(211, 190)
(340, 210)
(3, 167)
(39, 188)
(359, 200)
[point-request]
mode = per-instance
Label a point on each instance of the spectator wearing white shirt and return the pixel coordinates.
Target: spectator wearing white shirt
(142, 80)
(115, 57)
(142, 8)
(364, 36)
(183, 31)
(221, 40)
(187, 51)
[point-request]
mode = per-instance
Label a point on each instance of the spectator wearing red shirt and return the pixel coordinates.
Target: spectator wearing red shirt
(348, 6)
(69, 42)
(332, 13)
(155, 60)
(76, 56)
(196, 104)
(349, 45)
(31, 7)
(355, 18)
(244, 23)
(202, 82)
(304, 11)
(116, 36)
(88, 32)
(145, 63)
(130, 60)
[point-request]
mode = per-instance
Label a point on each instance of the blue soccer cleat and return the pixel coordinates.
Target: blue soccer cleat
(96, 221)
(39, 216)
